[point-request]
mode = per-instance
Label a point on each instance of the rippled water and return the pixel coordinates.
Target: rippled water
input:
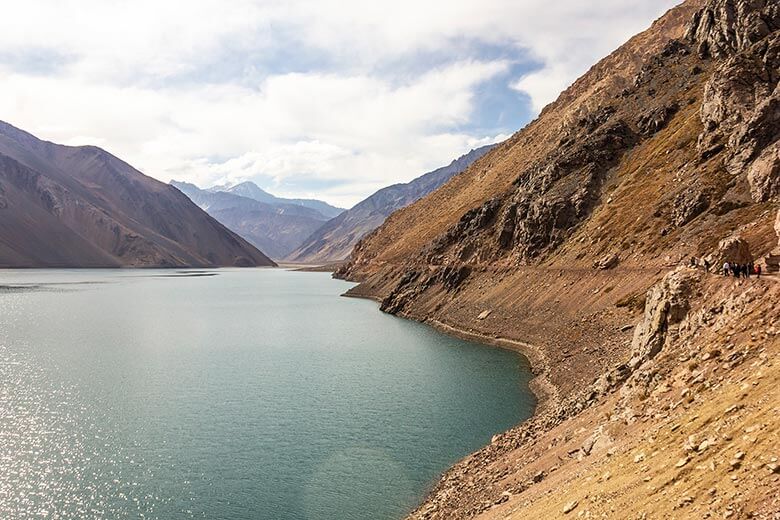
(231, 394)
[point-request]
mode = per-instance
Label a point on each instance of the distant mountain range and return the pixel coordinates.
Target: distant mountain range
(275, 225)
(312, 231)
(251, 190)
(334, 241)
(65, 206)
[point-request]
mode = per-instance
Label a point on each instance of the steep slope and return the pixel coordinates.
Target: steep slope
(63, 206)
(556, 241)
(274, 228)
(335, 240)
(253, 191)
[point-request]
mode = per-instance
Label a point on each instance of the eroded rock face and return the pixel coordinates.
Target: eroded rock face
(764, 174)
(724, 27)
(688, 205)
(548, 200)
(777, 227)
(414, 282)
(733, 97)
(740, 109)
(667, 305)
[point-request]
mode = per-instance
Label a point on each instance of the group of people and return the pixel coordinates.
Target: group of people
(730, 268)
(741, 270)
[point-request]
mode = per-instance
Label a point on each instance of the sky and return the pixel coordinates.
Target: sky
(329, 99)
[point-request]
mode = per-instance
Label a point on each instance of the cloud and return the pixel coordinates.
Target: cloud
(310, 126)
(327, 98)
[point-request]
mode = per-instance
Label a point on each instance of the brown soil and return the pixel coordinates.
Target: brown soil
(561, 243)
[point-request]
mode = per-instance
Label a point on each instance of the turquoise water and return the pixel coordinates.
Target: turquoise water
(231, 394)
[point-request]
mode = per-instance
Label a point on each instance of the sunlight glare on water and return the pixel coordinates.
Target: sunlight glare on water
(232, 394)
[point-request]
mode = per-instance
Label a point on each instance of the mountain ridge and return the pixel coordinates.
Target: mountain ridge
(335, 240)
(273, 227)
(251, 190)
(83, 207)
(582, 241)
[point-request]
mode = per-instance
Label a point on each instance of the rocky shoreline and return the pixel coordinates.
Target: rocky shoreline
(546, 393)
(469, 489)
(586, 235)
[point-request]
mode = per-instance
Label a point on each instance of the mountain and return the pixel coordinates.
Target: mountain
(592, 241)
(253, 191)
(65, 206)
(276, 228)
(334, 241)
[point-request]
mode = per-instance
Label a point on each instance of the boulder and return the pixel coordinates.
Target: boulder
(666, 306)
(655, 119)
(733, 250)
(607, 262)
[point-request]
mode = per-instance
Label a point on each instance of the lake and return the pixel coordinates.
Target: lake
(232, 394)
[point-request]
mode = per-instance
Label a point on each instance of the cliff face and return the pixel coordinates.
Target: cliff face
(64, 206)
(335, 240)
(672, 137)
(664, 150)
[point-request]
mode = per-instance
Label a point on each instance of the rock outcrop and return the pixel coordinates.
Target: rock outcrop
(548, 200)
(666, 306)
(688, 205)
(741, 106)
(764, 173)
(777, 227)
(772, 260)
(724, 27)
(732, 250)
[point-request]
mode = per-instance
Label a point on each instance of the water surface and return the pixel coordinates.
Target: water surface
(231, 394)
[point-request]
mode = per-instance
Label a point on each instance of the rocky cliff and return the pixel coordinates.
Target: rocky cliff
(63, 206)
(566, 243)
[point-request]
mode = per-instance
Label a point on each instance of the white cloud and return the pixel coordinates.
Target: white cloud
(355, 128)
(319, 97)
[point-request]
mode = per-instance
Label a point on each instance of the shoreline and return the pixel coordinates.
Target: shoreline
(544, 390)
